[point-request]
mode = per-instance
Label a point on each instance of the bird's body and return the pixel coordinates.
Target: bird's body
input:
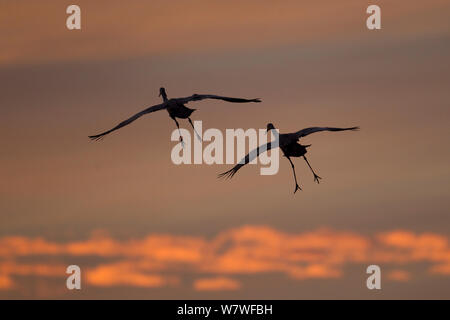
(289, 145)
(176, 109)
(293, 149)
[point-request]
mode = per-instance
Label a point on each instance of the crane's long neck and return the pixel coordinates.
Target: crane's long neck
(164, 95)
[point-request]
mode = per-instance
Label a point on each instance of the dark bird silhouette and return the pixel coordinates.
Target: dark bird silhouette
(290, 147)
(176, 109)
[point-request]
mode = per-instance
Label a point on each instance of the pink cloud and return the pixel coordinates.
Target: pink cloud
(160, 260)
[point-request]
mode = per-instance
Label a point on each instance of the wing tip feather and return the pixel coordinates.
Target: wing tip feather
(227, 174)
(96, 137)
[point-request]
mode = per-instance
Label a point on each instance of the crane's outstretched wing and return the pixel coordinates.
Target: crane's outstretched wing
(130, 120)
(307, 131)
(197, 97)
(248, 158)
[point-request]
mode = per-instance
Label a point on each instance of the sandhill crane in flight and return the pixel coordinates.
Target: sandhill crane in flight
(290, 147)
(176, 109)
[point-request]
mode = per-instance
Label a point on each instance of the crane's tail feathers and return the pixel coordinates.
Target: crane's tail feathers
(227, 174)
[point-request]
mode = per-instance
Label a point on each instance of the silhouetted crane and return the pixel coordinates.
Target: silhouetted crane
(176, 109)
(290, 147)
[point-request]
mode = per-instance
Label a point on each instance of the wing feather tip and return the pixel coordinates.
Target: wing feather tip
(96, 137)
(227, 174)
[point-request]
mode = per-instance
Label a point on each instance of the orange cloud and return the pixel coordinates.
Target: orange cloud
(5, 282)
(314, 271)
(213, 284)
(123, 274)
(18, 246)
(39, 269)
(405, 246)
(441, 269)
(399, 275)
(161, 260)
(11, 268)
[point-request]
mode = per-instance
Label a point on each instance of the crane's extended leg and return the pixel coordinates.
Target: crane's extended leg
(196, 133)
(178, 126)
(295, 176)
(316, 177)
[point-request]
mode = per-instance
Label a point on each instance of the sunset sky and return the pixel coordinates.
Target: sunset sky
(141, 227)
